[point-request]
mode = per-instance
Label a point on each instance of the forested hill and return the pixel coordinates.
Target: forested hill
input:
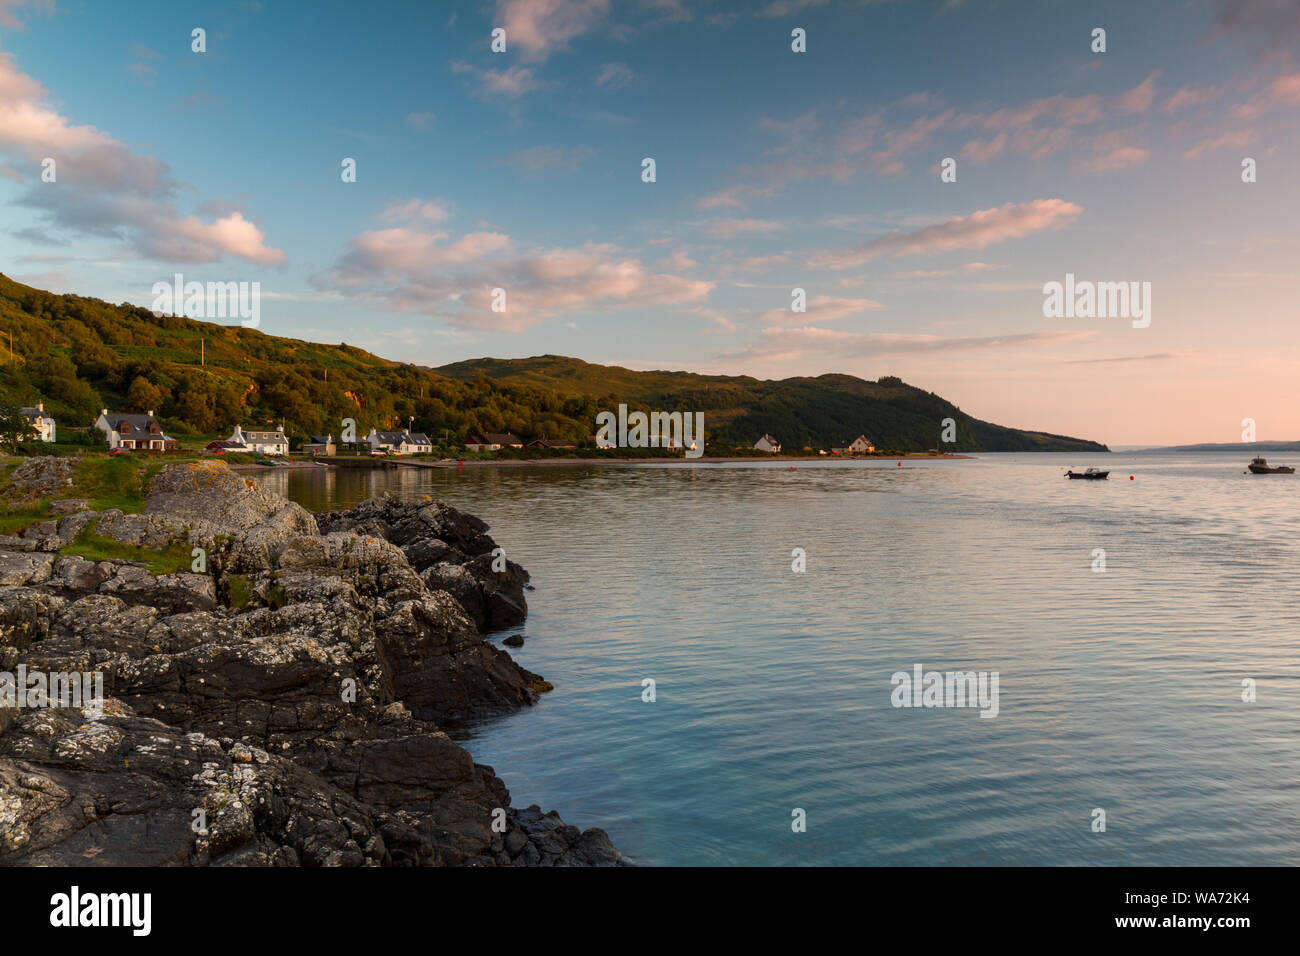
(80, 355)
(819, 412)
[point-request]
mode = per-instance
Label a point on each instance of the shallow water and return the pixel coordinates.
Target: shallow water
(1118, 690)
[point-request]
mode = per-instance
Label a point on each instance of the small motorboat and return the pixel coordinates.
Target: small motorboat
(1091, 473)
(1260, 466)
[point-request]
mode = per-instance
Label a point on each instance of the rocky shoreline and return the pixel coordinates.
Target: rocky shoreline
(286, 704)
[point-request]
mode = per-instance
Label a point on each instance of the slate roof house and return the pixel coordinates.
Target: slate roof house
(551, 443)
(261, 441)
(134, 432)
(42, 424)
(492, 441)
(405, 442)
(768, 443)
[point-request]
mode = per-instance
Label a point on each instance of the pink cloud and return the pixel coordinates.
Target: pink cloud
(982, 228)
(730, 228)
(541, 27)
(1121, 157)
(821, 308)
(510, 83)
(104, 189)
(1140, 98)
(782, 344)
(408, 270)
(1237, 140)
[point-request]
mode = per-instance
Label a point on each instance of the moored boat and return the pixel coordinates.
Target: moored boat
(1091, 473)
(1260, 466)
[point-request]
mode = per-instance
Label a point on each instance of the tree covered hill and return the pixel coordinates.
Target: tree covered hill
(820, 412)
(81, 354)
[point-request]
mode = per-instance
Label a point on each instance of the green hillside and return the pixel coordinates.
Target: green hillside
(818, 412)
(80, 355)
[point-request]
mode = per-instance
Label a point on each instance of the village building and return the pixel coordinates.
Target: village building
(42, 424)
(551, 443)
(322, 445)
(769, 444)
(859, 446)
(263, 442)
(133, 432)
(405, 442)
(492, 441)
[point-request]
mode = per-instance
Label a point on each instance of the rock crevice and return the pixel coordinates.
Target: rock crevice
(286, 705)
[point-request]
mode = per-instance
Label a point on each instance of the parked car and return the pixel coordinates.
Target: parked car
(119, 450)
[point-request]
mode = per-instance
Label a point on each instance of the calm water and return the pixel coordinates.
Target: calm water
(1119, 690)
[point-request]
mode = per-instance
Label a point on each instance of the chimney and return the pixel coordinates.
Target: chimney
(40, 406)
(104, 412)
(150, 413)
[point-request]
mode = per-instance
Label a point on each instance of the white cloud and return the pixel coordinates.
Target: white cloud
(103, 189)
(410, 270)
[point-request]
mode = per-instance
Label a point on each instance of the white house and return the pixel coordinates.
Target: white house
(405, 442)
(42, 424)
(768, 443)
(261, 441)
(133, 432)
(859, 446)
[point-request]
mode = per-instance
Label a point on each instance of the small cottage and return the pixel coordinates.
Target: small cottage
(322, 445)
(260, 441)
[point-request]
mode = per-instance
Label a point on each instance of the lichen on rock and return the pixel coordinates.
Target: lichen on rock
(302, 724)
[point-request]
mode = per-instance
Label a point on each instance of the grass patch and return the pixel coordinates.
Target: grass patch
(241, 592)
(14, 520)
(114, 481)
(97, 547)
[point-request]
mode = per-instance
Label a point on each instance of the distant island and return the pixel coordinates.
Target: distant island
(79, 355)
(1242, 447)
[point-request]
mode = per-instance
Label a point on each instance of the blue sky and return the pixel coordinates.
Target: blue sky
(775, 170)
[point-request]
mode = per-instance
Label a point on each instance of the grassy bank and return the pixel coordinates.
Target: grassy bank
(97, 547)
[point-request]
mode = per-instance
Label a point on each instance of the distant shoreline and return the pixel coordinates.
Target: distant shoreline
(451, 463)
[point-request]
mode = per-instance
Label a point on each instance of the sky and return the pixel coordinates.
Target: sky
(774, 170)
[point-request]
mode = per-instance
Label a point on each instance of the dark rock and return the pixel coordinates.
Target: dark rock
(293, 699)
(514, 640)
(451, 550)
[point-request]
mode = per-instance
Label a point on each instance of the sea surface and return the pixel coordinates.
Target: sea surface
(1119, 690)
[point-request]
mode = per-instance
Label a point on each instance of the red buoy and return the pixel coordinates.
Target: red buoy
(1130, 477)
